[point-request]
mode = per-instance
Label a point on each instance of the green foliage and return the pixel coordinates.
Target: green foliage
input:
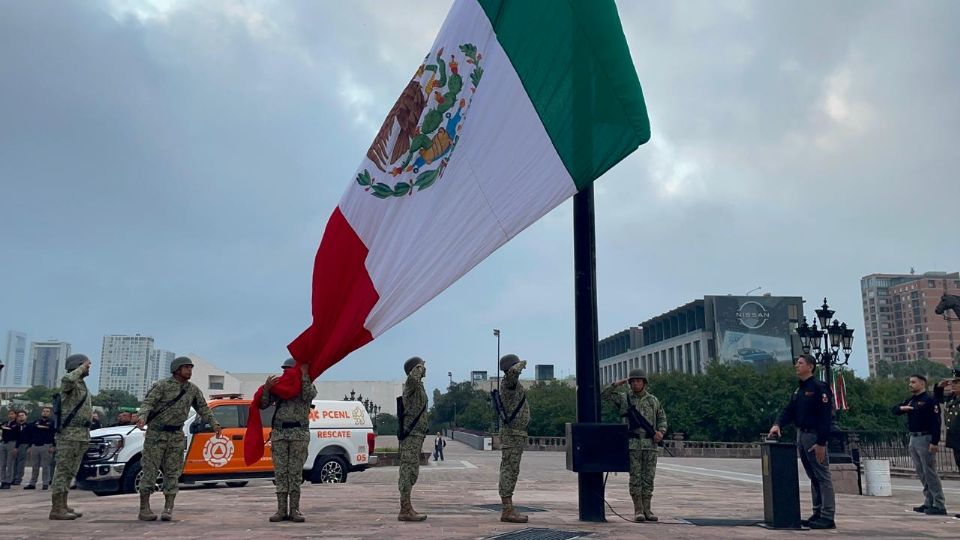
(552, 405)
(731, 402)
(39, 394)
(901, 370)
(111, 401)
(386, 424)
(461, 406)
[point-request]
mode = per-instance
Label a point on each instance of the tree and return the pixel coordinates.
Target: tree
(552, 405)
(901, 370)
(386, 424)
(461, 406)
(39, 394)
(111, 401)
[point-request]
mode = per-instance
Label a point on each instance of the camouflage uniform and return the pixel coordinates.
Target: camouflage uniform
(289, 442)
(643, 451)
(513, 436)
(414, 401)
(73, 439)
(165, 443)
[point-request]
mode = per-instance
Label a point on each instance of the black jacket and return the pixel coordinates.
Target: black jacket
(925, 416)
(810, 408)
(40, 432)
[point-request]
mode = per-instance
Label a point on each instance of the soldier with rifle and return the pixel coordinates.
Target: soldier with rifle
(647, 425)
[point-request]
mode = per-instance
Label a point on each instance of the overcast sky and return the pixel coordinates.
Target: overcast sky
(168, 167)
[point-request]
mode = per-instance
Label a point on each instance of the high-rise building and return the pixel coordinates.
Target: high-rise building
(159, 366)
(126, 364)
(899, 319)
(49, 360)
(15, 371)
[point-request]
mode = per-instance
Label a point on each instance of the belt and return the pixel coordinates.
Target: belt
(168, 429)
(290, 425)
(919, 433)
(807, 430)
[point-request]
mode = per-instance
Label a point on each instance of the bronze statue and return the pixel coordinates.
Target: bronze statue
(947, 302)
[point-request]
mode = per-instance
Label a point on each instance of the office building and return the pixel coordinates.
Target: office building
(15, 371)
(48, 359)
(126, 364)
(753, 329)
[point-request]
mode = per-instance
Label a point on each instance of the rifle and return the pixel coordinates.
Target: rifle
(636, 420)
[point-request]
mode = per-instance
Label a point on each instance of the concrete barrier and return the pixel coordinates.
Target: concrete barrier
(476, 442)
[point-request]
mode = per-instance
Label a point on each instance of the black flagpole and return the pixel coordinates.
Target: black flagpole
(590, 485)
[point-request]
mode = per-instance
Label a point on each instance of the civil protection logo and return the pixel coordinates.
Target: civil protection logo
(417, 139)
(218, 451)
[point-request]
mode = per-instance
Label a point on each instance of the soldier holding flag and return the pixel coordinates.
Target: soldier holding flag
(290, 439)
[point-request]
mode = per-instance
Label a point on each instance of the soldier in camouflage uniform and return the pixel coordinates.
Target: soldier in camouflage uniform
(643, 449)
(290, 438)
(164, 411)
(73, 437)
(513, 434)
(414, 405)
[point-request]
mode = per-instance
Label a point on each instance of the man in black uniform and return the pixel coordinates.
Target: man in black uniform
(40, 435)
(8, 449)
(923, 421)
(810, 409)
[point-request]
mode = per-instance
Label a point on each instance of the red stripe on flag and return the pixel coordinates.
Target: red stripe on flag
(343, 296)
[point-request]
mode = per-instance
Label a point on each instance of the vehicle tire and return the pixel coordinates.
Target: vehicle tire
(100, 493)
(236, 484)
(329, 469)
(131, 478)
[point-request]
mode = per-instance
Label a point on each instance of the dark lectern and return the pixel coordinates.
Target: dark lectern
(781, 487)
(597, 448)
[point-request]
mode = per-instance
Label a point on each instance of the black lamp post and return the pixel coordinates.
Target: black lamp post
(827, 341)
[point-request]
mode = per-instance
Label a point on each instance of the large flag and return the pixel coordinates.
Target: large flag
(516, 107)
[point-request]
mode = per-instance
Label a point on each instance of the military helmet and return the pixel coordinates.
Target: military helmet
(179, 362)
(637, 374)
(289, 363)
(75, 360)
(409, 364)
(508, 361)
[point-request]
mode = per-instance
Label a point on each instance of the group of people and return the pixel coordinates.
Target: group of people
(168, 403)
(811, 409)
(27, 442)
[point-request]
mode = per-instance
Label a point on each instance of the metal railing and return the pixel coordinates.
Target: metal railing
(894, 446)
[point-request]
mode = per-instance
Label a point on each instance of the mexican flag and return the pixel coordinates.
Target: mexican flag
(516, 107)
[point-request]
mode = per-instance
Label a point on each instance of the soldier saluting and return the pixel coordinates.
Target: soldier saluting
(164, 411)
(412, 430)
(73, 435)
(514, 417)
(648, 424)
(289, 440)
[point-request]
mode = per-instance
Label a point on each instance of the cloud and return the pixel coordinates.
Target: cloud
(168, 168)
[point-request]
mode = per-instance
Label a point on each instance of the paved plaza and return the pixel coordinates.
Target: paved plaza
(452, 494)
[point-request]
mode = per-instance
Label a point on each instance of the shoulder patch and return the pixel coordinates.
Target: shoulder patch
(826, 399)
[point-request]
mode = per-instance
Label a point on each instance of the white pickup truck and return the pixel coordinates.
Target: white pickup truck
(341, 441)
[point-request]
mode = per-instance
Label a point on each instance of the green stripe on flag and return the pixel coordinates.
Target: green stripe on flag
(574, 63)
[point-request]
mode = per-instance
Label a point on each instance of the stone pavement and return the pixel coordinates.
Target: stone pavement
(451, 492)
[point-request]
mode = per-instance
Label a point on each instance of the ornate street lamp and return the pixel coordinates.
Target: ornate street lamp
(827, 341)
